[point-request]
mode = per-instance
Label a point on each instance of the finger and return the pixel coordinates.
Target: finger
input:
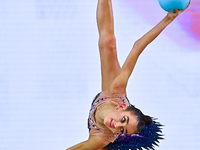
(176, 10)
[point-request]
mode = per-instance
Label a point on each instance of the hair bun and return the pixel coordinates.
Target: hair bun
(147, 120)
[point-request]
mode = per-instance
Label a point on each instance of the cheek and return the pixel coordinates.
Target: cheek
(117, 117)
(106, 122)
(115, 130)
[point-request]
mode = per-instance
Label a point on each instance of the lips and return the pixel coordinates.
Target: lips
(112, 123)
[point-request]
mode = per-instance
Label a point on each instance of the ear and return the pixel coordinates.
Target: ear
(121, 107)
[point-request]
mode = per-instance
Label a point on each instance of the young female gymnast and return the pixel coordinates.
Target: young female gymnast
(112, 119)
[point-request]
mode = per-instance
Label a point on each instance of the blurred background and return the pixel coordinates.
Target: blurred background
(50, 71)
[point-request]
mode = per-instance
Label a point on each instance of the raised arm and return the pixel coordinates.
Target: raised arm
(120, 82)
(93, 143)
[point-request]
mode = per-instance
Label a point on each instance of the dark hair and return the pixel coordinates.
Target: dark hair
(143, 120)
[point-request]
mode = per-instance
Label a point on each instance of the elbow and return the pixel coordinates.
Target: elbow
(137, 43)
(139, 46)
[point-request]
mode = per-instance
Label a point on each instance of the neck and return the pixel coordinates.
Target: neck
(102, 111)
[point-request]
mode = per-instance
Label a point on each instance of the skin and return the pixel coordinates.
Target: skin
(115, 78)
(116, 119)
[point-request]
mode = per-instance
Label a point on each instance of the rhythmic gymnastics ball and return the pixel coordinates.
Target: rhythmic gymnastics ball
(171, 5)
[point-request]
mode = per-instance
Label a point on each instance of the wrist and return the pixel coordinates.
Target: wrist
(169, 18)
(172, 15)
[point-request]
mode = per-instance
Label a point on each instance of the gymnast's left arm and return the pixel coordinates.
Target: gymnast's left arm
(119, 84)
(93, 143)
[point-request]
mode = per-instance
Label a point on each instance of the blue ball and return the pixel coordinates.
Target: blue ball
(171, 5)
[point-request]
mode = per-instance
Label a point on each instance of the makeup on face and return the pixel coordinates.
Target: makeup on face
(112, 125)
(122, 122)
(125, 119)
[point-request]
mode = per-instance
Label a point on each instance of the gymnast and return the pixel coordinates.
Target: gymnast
(113, 122)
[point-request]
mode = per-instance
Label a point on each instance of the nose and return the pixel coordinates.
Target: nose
(119, 124)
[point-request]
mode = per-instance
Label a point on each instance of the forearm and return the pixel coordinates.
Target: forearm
(152, 34)
(93, 143)
(140, 44)
(80, 146)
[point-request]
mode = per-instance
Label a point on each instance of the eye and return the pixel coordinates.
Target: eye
(122, 130)
(123, 119)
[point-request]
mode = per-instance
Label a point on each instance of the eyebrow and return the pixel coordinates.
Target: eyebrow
(127, 123)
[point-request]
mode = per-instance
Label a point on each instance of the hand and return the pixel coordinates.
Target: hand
(173, 15)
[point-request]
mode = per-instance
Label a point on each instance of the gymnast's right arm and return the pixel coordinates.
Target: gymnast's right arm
(93, 143)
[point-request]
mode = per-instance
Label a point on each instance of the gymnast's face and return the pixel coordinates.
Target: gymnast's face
(121, 121)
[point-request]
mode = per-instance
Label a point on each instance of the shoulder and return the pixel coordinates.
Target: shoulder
(120, 98)
(116, 97)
